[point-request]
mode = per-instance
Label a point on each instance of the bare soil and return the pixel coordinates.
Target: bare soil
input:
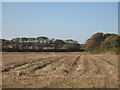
(59, 70)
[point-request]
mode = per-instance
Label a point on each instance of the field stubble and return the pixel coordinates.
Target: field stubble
(59, 70)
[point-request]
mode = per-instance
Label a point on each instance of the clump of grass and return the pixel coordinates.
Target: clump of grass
(46, 72)
(75, 87)
(82, 72)
(24, 56)
(30, 63)
(93, 67)
(8, 67)
(11, 73)
(95, 71)
(68, 83)
(11, 66)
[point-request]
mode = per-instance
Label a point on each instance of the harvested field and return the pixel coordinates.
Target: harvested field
(59, 70)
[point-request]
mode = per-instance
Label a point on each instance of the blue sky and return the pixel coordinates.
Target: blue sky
(64, 20)
(0, 19)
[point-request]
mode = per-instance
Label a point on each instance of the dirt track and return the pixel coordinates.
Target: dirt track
(60, 70)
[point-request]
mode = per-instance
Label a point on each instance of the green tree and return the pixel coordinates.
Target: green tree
(58, 43)
(95, 41)
(112, 41)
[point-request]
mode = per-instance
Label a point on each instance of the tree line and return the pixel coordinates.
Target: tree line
(97, 43)
(102, 43)
(39, 44)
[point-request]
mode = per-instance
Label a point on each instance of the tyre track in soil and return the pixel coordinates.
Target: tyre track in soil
(72, 69)
(82, 60)
(56, 66)
(91, 66)
(108, 66)
(94, 62)
(104, 71)
(82, 65)
(72, 66)
(78, 67)
(34, 75)
(49, 78)
(66, 65)
(102, 68)
(29, 71)
(54, 70)
(46, 64)
(6, 69)
(85, 65)
(106, 61)
(113, 59)
(88, 76)
(62, 73)
(59, 67)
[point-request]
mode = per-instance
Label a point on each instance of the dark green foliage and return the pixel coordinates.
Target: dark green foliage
(94, 41)
(100, 43)
(39, 44)
(73, 46)
(111, 42)
(58, 43)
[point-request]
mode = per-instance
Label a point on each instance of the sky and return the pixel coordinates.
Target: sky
(60, 20)
(0, 19)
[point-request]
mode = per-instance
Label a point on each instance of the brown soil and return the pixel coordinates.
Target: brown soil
(59, 70)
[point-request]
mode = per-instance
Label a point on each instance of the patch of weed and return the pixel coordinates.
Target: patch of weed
(11, 73)
(95, 71)
(30, 63)
(24, 56)
(46, 72)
